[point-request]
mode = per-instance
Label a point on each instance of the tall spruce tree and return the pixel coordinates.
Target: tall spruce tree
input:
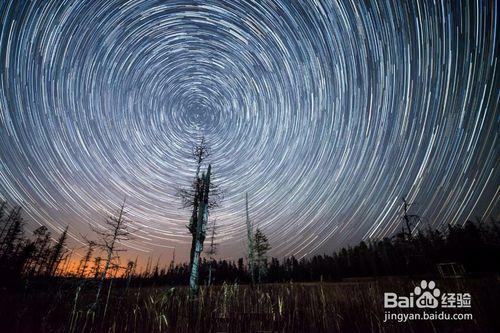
(261, 245)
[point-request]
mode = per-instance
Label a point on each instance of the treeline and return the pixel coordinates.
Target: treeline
(24, 257)
(475, 247)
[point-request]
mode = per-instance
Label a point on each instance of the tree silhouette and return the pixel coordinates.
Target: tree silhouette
(261, 247)
(57, 253)
(199, 236)
(82, 268)
(212, 251)
(251, 241)
(190, 197)
(115, 232)
(200, 197)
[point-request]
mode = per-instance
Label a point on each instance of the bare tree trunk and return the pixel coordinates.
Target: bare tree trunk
(200, 153)
(200, 232)
(211, 252)
(250, 243)
(406, 218)
(103, 275)
(84, 262)
(110, 249)
(210, 273)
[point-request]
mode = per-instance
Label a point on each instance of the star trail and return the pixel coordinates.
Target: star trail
(326, 112)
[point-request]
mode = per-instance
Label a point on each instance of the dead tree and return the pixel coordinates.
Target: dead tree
(201, 225)
(66, 263)
(115, 232)
(82, 269)
(409, 220)
(201, 196)
(37, 261)
(191, 196)
(12, 232)
(97, 267)
(57, 253)
(250, 239)
(211, 253)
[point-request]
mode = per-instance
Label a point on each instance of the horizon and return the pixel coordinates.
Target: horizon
(326, 114)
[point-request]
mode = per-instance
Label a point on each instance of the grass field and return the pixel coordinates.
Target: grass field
(355, 306)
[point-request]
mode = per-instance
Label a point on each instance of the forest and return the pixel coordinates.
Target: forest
(36, 275)
(474, 247)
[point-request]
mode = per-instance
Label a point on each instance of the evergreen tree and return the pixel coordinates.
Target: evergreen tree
(261, 246)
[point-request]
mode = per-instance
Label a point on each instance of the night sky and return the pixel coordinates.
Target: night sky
(325, 112)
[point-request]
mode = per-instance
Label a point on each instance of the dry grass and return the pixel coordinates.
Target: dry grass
(314, 307)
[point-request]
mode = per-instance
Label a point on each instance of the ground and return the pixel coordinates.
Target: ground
(348, 306)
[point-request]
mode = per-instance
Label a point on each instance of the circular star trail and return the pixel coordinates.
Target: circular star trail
(327, 113)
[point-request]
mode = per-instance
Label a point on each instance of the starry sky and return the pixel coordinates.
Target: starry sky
(325, 112)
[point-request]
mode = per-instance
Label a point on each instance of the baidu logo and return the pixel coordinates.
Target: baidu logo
(427, 295)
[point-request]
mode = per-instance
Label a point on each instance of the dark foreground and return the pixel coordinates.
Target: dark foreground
(355, 306)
